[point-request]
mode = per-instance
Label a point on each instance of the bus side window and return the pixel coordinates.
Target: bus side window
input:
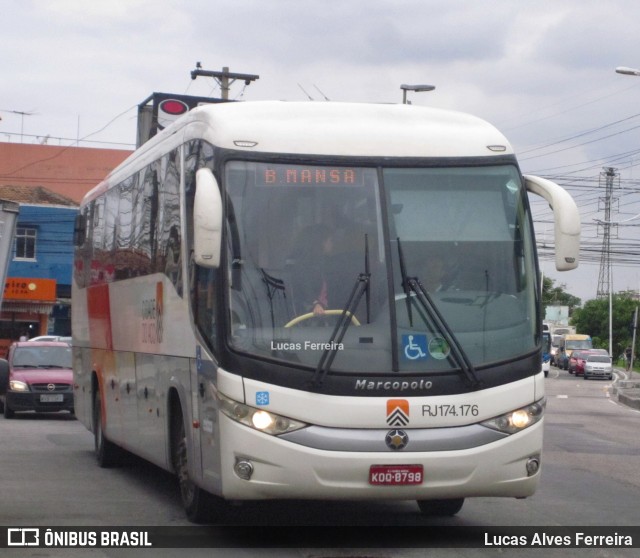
(169, 249)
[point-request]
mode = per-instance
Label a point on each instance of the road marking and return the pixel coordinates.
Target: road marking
(623, 406)
(562, 396)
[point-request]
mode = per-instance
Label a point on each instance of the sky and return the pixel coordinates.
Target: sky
(543, 72)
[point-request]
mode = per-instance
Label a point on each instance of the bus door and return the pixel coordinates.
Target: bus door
(207, 438)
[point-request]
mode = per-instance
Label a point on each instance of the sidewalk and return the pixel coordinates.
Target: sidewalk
(627, 391)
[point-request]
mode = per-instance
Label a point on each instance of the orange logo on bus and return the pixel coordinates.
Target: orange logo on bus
(397, 412)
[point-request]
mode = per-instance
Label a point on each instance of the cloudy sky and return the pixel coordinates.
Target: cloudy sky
(542, 71)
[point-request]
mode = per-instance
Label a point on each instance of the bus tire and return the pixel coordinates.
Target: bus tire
(199, 505)
(107, 453)
(440, 507)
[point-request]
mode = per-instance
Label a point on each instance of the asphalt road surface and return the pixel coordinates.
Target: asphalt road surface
(591, 477)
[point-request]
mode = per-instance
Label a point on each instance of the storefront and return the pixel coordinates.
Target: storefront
(27, 305)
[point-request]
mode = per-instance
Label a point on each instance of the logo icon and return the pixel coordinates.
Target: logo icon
(24, 536)
(262, 397)
(397, 412)
(415, 347)
(396, 439)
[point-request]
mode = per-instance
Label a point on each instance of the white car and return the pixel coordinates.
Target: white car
(598, 366)
(51, 338)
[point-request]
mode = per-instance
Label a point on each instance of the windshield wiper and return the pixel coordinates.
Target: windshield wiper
(360, 287)
(415, 286)
(274, 285)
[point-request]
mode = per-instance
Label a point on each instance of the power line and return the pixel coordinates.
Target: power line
(60, 138)
(44, 159)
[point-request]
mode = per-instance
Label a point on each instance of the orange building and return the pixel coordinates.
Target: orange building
(68, 171)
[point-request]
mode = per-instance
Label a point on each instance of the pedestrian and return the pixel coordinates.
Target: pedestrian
(627, 354)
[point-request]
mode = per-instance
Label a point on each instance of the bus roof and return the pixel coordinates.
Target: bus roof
(355, 129)
(326, 128)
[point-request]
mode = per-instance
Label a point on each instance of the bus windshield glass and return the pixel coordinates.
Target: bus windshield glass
(305, 241)
(574, 344)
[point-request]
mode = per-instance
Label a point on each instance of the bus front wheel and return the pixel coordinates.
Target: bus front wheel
(198, 504)
(440, 507)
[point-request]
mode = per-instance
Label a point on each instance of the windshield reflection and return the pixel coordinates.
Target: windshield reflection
(298, 237)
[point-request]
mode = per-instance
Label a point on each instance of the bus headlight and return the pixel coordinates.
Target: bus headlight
(258, 419)
(515, 421)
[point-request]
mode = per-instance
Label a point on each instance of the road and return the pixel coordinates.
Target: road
(590, 478)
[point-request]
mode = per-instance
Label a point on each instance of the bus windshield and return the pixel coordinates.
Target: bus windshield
(573, 344)
(306, 242)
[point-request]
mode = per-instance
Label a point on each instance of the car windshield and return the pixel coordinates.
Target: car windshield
(599, 358)
(42, 357)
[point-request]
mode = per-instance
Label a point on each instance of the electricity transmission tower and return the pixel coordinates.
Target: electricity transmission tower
(611, 179)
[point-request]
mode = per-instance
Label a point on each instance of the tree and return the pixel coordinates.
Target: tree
(556, 296)
(593, 319)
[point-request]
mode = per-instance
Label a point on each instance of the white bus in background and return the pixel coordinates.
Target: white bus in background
(318, 301)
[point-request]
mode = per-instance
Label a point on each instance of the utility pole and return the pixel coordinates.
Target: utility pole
(605, 282)
(224, 78)
(609, 174)
(633, 343)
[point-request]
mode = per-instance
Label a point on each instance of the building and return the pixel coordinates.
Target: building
(37, 292)
(68, 171)
(48, 183)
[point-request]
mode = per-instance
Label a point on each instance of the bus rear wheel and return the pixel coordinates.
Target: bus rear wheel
(441, 507)
(107, 453)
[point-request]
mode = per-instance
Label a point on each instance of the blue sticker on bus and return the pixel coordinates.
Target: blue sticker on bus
(262, 398)
(415, 347)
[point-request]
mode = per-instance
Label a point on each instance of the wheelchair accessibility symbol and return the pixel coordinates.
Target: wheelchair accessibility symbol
(415, 347)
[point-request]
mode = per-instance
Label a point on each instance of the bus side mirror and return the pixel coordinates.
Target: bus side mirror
(207, 220)
(566, 218)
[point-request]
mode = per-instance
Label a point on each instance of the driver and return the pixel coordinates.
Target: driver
(314, 269)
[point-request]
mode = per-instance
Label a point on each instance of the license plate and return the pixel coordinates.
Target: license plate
(395, 475)
(52, 398)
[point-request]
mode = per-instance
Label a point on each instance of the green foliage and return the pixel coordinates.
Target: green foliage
(556, 296)
(593, 319)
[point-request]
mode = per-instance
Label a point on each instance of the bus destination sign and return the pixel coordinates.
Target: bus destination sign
(298, 175)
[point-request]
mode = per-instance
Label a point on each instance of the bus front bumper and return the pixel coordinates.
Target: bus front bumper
(284, 470)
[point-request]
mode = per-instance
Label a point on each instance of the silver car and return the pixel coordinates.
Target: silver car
(598, 366)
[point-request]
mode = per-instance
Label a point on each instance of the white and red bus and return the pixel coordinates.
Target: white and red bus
(318, 301)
